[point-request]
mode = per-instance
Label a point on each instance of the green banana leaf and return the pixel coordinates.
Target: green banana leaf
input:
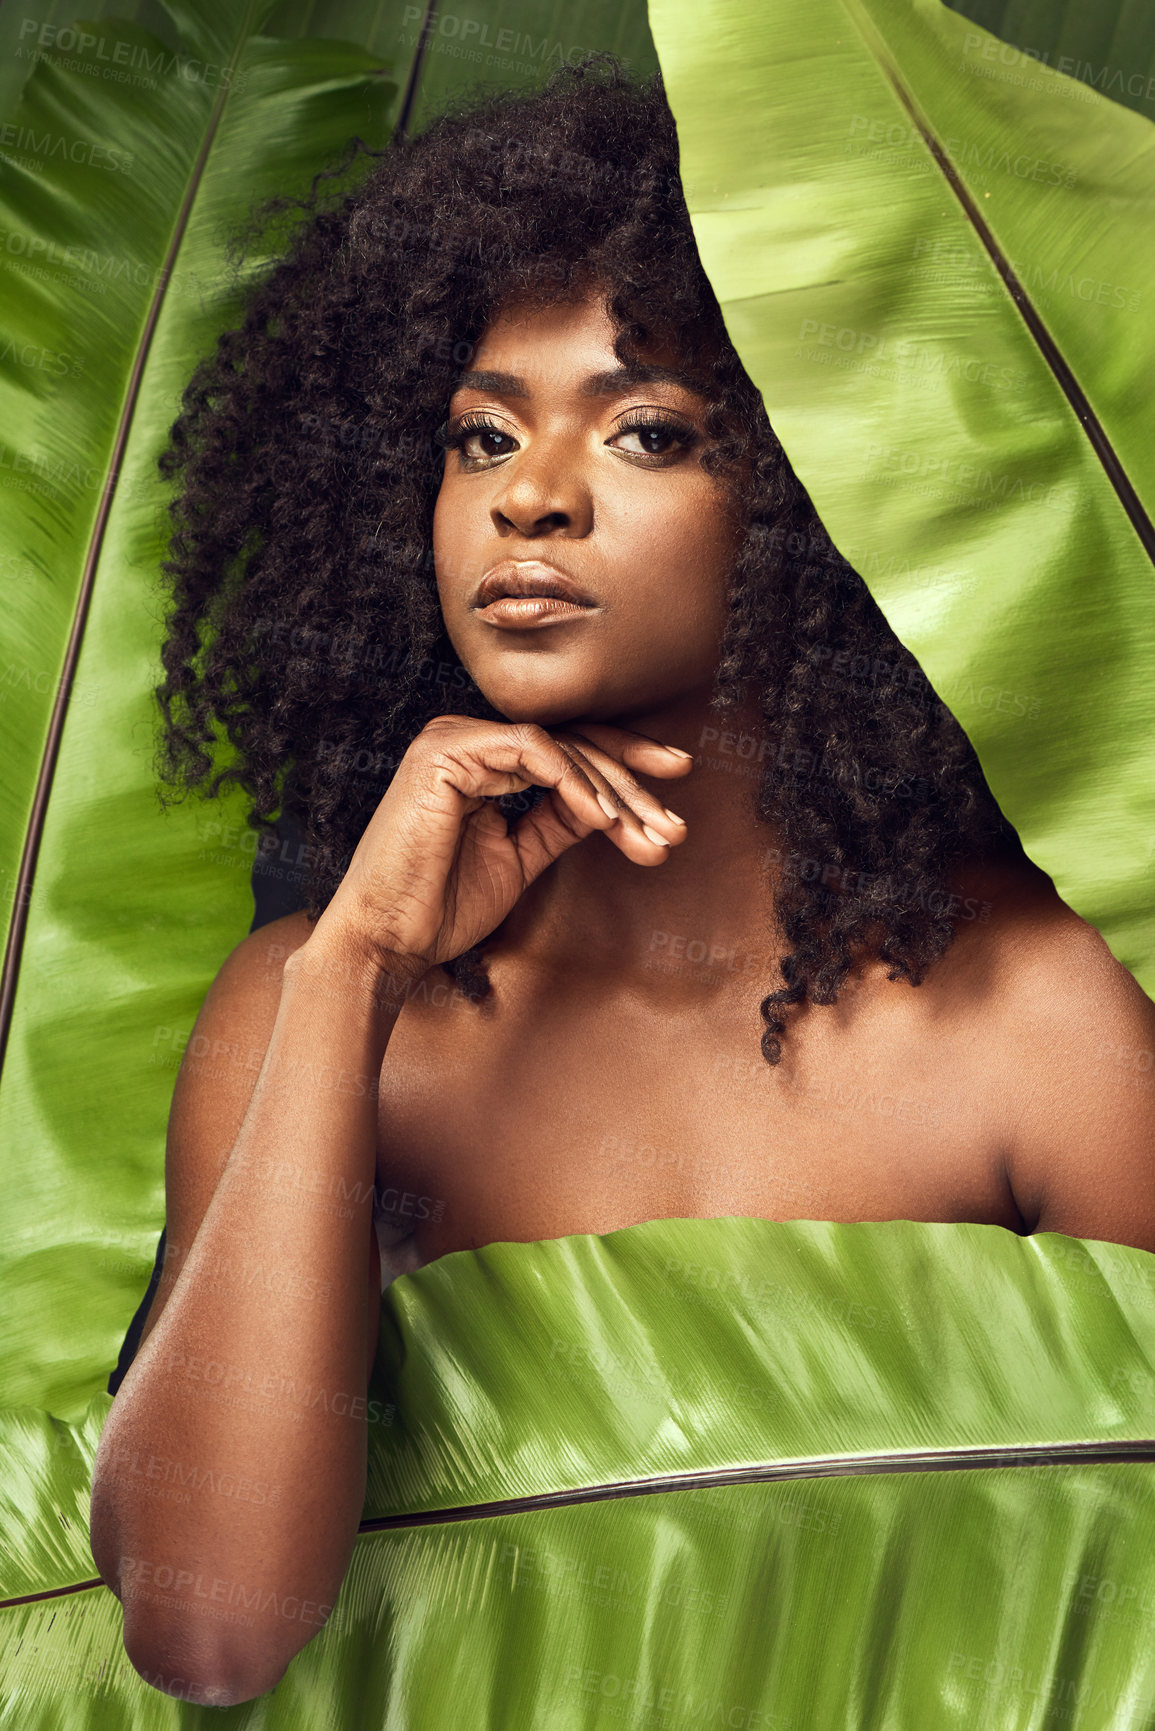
(117, 204)
(1008, 1594)
(134, 141)
(935, 255)
(689, 1474)
(514, 44)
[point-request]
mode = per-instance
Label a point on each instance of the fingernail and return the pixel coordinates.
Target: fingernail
(673, 816)
(607, 806)
(677, 751)
(653, 835)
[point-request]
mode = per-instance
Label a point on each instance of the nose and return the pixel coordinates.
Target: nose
(543, 492)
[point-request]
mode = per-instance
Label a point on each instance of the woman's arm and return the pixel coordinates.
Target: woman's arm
(253, 1372)
(231, 1472)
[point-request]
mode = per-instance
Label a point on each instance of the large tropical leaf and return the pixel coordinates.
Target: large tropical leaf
(692, 1473)
(117, 201)
(135, 140)
(993, 1595)
(514, 44)
(940, 278)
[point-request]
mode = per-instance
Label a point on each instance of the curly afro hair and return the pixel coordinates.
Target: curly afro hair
(304, 622)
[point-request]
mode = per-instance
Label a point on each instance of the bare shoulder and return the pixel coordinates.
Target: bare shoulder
(1071, 1051)
(250, 976)
(1035, 937)
(1053, 977)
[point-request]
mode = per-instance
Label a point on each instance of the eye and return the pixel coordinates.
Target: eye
(479, 440)
(657, 436)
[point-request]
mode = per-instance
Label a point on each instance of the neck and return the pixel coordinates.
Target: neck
(705, 910)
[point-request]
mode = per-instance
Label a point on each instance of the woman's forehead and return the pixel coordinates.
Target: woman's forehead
(528, 347)
(522, 329)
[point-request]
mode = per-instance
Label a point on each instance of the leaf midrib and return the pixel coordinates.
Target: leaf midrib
(34, 834)
(1091, 426)
(1138, 1452)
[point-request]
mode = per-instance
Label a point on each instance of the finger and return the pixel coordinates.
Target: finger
(640, 816)
(508, 759)
(637, 750)
(545, 832)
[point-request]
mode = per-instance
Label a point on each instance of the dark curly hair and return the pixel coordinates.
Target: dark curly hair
(305, 623)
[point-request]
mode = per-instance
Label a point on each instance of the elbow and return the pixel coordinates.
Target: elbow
(170, 1641)
(202, 1662)
(202, 1673)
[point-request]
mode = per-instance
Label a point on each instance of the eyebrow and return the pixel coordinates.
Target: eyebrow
(608, 384)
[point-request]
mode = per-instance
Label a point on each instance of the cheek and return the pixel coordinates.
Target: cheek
(684, 548)
(444, 513)
(447, 528)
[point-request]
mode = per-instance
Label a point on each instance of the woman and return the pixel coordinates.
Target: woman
(633, 826)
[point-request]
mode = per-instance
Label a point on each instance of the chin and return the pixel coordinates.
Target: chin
(537, 689)
(545, 711)
(553, 708)
(541, 690)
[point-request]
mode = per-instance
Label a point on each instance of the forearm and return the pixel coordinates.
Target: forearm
(231, 1472)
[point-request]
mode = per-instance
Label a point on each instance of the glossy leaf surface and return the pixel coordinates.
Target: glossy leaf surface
(132, 144)
(118, 202)
(987, 1593)
(852, 199)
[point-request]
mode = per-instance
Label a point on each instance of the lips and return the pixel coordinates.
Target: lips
(527, 592)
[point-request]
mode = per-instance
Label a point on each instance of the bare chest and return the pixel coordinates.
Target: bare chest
(534, 1119)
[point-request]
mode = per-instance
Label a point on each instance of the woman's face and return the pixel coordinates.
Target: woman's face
(582, 553)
